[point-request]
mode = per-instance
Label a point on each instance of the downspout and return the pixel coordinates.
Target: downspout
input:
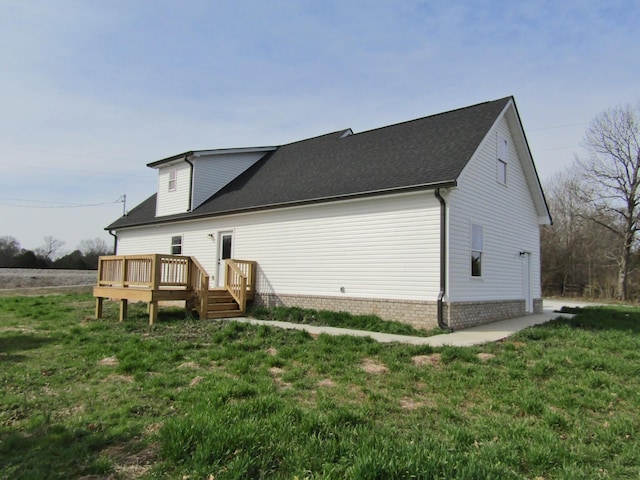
(186, 159)
(443, 261)
(115, 242)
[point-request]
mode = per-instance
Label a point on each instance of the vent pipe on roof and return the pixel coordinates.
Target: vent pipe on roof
(443, 261)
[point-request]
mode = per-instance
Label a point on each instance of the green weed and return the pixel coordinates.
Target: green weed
(83, 398)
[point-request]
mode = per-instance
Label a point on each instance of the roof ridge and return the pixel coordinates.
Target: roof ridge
(317, 137)
(510, 97)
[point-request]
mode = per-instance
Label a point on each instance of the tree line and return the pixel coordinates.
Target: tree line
(592, 248)
(84, 257)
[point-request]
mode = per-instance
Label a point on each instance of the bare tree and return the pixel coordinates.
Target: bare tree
(576, 254)
(92, 249)
(612, 180)
(50, 249)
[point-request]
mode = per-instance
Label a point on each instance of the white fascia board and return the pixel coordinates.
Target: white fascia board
(227, 151)
(202, 153)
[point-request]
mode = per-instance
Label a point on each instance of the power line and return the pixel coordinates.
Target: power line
(122, 200)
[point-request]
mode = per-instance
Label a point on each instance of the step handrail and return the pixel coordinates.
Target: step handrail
(235, 282)
(199, 282)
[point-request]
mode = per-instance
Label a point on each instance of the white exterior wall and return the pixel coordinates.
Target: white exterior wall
(510, 225)
(177, 201)
(383, 247)
(213, 172)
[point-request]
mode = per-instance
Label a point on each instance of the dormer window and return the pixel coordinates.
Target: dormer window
(173, 179)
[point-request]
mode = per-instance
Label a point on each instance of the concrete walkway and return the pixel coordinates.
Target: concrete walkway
(491, 332)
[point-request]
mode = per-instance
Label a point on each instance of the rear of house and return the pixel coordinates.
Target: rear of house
(432, 221)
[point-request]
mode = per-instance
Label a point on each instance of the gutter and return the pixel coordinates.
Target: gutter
(296, 203)
(443, 261)
(186, 159)
(115, 242)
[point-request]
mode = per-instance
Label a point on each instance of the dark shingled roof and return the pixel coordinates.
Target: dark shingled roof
(423, 153)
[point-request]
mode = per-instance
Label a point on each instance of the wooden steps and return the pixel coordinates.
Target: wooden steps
(222, 305)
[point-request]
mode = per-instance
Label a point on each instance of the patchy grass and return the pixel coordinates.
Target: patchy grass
(307, 316)
(82, 398)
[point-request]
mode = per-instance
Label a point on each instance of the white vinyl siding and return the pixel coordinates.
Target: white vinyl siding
(212, 173)
(169, 201)
(383, 247)
(510, 225)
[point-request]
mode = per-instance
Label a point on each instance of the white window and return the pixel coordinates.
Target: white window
(503, 159)
(476, 250)
(502, 172)
(173, 179)
(176, 245)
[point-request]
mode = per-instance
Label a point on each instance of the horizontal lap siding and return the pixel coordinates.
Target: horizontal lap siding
(386, 247)
(509, 223)
(383, 248)
(214, 172)
(176, 201)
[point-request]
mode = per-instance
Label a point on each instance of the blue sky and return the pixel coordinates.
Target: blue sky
(91, 92)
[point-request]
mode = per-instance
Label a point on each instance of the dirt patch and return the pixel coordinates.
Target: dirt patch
(373, 367)
(193, 365)
(326, 382)
(485, 356)
(272, 351)
(196, 381)
(109, 362)
(152, 428)
(422, 360)
(119, 378)
(407, 403)
(276, 372)
(132, 465)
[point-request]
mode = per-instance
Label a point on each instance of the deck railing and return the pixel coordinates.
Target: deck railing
(151, 271)
(174, 272)
(239, 278)
(248, 268)
(199, 282)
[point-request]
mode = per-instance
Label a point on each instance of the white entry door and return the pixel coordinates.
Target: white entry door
(225, 247)
(526, 282)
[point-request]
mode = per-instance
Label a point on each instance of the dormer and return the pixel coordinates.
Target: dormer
(187, 180)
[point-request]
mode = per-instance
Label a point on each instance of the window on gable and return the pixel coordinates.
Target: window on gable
(476, 250)
(173, 179)
(503, 159)
(502, 172)
(176, 245)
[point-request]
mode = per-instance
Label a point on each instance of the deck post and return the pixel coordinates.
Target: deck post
(99, 301)
(153, 312)
(123, 309)
(156, 272)
(123, 282)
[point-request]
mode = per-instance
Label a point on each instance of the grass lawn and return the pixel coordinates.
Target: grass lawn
(91, 399)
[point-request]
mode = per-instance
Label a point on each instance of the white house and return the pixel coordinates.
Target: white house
(430, 221)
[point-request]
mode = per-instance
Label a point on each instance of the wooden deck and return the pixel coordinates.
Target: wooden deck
(154, 278)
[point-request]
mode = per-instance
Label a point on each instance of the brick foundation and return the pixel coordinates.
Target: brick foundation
(419, 314)
(537, 305)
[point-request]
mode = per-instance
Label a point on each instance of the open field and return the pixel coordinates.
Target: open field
(91, 399)
(35, 281)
